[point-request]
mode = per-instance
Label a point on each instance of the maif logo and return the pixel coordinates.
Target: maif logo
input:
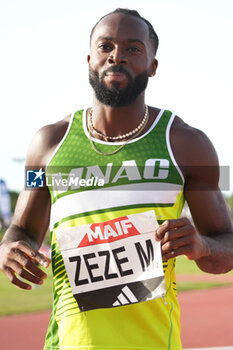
(35, 178)
(109, 231)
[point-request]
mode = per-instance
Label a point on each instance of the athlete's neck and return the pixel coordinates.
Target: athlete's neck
(120, 120)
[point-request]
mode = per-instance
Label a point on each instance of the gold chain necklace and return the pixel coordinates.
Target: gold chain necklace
(146, 117)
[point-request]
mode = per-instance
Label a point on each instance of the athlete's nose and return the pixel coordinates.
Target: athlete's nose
(117, 57)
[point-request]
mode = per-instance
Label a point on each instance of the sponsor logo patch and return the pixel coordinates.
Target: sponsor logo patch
(109, 231)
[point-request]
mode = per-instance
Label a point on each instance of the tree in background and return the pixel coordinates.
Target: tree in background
(13, 199)
(14, 196)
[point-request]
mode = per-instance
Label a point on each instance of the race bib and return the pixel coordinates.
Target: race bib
(113, 263)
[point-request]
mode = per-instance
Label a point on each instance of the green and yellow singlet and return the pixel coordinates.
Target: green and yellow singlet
(95, 247)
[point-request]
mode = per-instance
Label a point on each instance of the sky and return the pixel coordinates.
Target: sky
(44, 75)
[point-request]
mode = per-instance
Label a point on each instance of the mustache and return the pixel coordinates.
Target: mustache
(117, 69)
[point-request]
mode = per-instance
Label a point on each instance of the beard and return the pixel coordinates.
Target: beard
(116, 96)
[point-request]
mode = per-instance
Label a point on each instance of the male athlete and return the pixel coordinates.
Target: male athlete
(150, 161)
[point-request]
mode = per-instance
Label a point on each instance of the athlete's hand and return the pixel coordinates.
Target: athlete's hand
(179, 237)
(20, 258)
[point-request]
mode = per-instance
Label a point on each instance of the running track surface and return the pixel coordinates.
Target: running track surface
(206, 321)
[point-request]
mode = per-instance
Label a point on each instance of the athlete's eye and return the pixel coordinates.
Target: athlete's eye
(105, 47)
(134, 49)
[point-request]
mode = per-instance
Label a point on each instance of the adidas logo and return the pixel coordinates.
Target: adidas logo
(125, 297)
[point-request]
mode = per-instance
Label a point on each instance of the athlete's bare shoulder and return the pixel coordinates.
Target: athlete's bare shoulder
(45, 141)
(192, 148)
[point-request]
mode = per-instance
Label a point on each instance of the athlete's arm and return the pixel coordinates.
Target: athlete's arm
(209, 241)
(19, 248)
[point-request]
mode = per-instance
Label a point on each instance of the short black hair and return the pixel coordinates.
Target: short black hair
(152, 34)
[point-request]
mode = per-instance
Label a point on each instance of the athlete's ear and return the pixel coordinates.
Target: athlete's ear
(154, 66)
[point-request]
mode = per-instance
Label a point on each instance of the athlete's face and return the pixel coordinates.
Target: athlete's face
(121, 59)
